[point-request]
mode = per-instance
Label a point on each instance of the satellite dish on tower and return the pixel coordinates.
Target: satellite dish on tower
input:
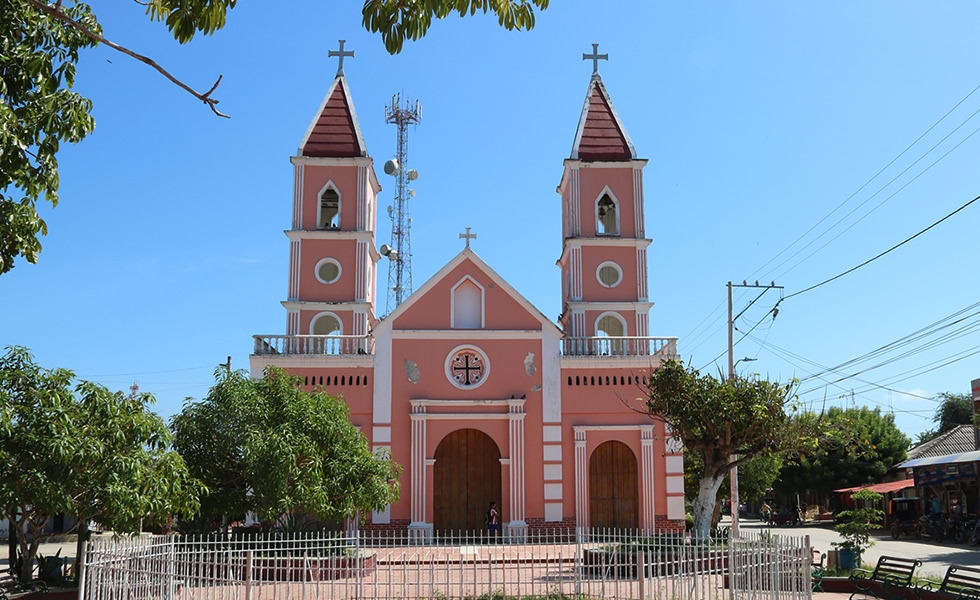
(413, 174)
(411, 193)
(386, 250)
(392, 167)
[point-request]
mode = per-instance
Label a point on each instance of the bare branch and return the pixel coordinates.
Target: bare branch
(55, 11)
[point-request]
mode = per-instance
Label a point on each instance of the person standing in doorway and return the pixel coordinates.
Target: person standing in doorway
(493, 520)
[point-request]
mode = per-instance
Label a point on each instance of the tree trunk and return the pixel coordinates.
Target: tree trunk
(704, 504)
(83, 536)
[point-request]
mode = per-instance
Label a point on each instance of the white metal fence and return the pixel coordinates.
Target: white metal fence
(544, 565)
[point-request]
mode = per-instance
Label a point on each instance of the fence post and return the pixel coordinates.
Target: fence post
(171, 569)
(641, 573)
(357, 561)
(83, 567)
(578, 561)
(248, 575)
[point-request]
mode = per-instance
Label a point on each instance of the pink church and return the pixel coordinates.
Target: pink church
(471, 388)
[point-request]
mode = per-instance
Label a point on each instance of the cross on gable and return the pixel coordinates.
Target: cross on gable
(595, 57)
(467, 236)
(341, 53)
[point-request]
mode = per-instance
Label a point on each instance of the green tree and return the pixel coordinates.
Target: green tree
(860, 446)
(39, 48)
(954, 410)
(719, 418)
(266, 446)
(81, 450)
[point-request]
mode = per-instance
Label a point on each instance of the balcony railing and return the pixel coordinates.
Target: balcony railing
(625, 346)
(360, 345)
(322, 345)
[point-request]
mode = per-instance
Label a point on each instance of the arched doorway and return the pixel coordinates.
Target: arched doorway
(467, 479)
(613, 490)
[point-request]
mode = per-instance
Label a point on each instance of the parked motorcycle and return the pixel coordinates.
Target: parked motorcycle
(931, 527)
(786, 518)
(955, 529)
(974, 532)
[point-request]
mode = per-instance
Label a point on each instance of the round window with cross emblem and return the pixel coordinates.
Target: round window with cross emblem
(467, 367)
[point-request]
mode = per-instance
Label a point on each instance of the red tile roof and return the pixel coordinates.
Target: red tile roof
(335, 132)
(601, 135)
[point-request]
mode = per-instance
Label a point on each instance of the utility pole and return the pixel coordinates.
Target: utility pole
(731, 377)
(226, 365)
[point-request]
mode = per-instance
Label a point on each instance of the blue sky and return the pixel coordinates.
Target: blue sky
(166, 253)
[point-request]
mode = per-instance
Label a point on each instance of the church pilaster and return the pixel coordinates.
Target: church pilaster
(646, 466)
(517, 525)
(638, 200)
(419, 466)
(581, 481)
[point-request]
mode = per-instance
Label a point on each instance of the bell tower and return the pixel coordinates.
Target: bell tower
(332, 251)
(604, 257)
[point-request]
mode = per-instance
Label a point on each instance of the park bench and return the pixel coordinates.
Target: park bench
(960, 583)
(817, 570)
(890, 580)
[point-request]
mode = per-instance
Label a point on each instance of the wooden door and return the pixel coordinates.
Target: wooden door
(467, 479)
(613, 490)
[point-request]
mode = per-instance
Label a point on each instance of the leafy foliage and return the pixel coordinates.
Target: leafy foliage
(268, 447)
(82, 450)
(184, 18)
(860, 446)
(39, 48)
(719, 418)
(397, 20)
(954, 410)
(38, 111)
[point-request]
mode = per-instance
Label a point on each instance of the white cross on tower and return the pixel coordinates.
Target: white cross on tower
(595, 57)
(467, 236)
(341, 53)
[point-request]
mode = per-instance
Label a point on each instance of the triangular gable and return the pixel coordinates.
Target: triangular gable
(600, 134)
(334, 131)
(441, 278)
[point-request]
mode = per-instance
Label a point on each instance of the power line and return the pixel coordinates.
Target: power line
(874, 258)
(145, 372)
(784, 352)
(875, 176)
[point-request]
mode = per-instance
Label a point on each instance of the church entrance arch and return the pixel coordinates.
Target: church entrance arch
(467, 479)
(614, 493)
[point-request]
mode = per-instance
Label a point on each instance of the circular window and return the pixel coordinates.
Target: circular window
(467, 367)
(609, 274)
(328, 270)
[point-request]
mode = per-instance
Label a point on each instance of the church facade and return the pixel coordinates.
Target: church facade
(471, 389)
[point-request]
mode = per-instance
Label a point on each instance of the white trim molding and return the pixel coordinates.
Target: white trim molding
(607, 191)
(615, 266)
(452, 302)
(329, 185)
(450, 375)
(465, 334)
(328, 259)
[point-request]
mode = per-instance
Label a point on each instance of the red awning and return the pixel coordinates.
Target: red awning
(882, 488)
(892, 486)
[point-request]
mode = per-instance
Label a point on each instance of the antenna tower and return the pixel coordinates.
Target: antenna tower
(401, 113)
